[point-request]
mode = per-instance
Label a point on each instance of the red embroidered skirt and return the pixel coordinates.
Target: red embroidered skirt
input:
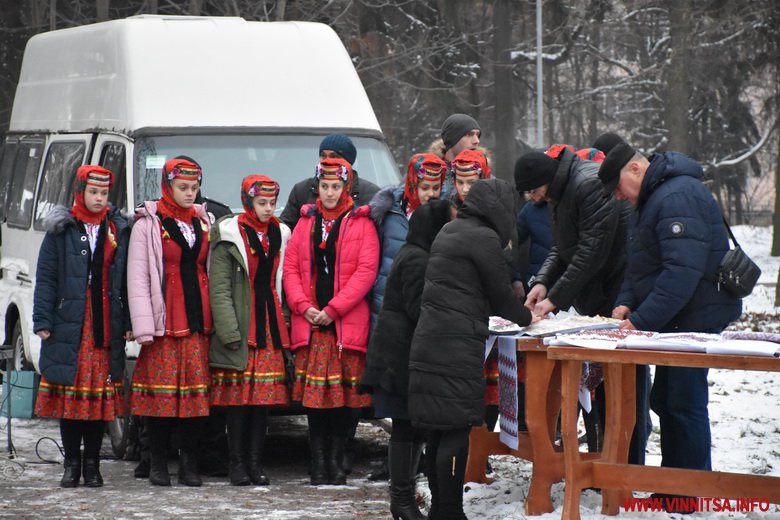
(262, 383)
(325, 378)
(93, 396)
(491, 380)
(171, 378)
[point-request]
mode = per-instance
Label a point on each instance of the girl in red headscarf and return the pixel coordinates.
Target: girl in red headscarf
(391, 209)
(246, 354)
(78, 313)
(329, 267)
(468, 167)
(168, 294)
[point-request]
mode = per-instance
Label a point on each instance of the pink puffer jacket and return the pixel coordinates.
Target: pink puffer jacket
(145, 272)
(357, 261)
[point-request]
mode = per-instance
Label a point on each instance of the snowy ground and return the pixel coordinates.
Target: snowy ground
(744, 412)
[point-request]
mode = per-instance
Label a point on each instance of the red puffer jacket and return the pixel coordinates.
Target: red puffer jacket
(357, 261)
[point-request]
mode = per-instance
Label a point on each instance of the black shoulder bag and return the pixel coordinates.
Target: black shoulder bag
(737, 273)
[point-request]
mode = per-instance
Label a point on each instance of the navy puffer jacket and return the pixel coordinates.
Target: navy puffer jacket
(392, 226)
(60, 295)
(676, 241)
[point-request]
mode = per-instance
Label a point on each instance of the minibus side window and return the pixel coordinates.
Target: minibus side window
(6, 171)
(22, 189)
(112, 157)
(59, 175)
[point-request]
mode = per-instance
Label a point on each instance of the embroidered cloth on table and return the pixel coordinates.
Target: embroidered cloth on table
(729, 343)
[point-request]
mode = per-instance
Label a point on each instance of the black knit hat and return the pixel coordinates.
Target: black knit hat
(342, 145)
(534, 169)
(455, 127)
(609, 171)
(607, 141)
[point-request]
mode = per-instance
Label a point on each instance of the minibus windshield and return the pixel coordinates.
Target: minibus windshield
(226, 159)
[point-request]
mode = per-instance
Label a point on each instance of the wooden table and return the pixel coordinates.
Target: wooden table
(611, 473)
(542, 407)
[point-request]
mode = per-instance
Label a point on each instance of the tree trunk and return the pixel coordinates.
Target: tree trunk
(101, 6)
(678, 90)
(776, 221)
(281, 7)
(153, 6)
(52, 14)
(504, 107)
(195, 7)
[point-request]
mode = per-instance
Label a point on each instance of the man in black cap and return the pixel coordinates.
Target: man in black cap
(676, 241)
(459, 132)
(305, 192)
(585, 266)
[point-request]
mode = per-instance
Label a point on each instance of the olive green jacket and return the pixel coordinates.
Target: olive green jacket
(231, 294)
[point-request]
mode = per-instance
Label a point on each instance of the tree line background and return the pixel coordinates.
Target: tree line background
(696, 76)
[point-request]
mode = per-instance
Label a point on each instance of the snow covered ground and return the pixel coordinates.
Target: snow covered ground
(744, 412)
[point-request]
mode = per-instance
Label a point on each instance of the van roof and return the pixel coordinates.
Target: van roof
(189, 72)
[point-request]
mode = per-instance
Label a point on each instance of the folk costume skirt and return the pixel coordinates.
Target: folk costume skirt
(326, 377)
(171, 378)
(262, 383)
(93, 396)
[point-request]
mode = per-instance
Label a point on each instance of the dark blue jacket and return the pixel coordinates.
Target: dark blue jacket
(676, 241)
(392, 226)
(60, 295)
(533, 223)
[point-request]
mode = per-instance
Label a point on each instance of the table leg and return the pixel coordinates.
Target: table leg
(542, 379)
(573, 469)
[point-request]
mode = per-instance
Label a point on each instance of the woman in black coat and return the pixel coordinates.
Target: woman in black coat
(79, 314)
(466, 281)
(387, 364)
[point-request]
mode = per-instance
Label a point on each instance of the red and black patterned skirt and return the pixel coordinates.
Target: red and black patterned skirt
(491, 380)
(93, 396)
(327, 378)
(262, 383)
(171, 378)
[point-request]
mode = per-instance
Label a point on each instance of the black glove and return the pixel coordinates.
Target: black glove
(233, 345)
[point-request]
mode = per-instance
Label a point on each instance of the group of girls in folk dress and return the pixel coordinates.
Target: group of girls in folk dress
(205, 303)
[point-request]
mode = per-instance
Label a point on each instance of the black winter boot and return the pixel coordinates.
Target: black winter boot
(72, 474)
(237, 433)
(158, 453)
(188, 469)
(256, 444)
(319, 472)
(338, 476)
(91, 472)
(403, 469)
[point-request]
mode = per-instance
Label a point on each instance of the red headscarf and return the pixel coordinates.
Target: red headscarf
(422, 167)
(90, 175)
(589, 154)
(256, 186)
(469, 163)
(177, 169)
(332, 170)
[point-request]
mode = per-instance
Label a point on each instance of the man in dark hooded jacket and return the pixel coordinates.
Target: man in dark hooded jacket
(676, 241)
(464, 285)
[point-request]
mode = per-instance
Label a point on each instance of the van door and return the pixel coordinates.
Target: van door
(29, 199)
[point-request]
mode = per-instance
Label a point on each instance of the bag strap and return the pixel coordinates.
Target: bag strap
(728, 230)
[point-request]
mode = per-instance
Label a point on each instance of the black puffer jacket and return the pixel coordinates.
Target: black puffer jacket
(466, 281)
(586, 264)
(387, 362)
